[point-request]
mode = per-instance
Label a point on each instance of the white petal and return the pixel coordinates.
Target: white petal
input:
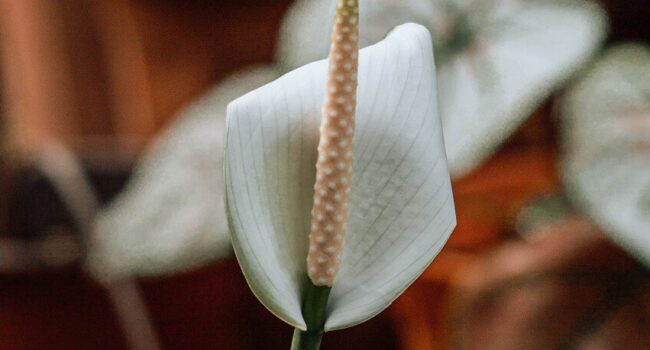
(606, 124)
(525, 50)
(401, 210)
(538, 50)
(171, 216)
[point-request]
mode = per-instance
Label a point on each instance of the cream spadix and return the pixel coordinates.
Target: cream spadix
(335, 150)
(400, 211)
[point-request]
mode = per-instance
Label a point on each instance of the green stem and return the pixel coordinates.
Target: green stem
(305, 340)
(314, 311)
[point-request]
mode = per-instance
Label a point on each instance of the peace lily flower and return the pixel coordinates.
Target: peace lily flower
(606, 127)
(184, 177)
(171, 215)
(358, 199)
(498, 60)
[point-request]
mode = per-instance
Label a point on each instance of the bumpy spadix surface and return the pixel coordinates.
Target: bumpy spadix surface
(401, 208)
(606, 124)
(499, 59)
(329, 214)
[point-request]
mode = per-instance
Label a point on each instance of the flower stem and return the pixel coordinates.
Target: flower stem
(305, 340)
(314, 311)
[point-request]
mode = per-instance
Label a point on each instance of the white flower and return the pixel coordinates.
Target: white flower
(171, 216)
(497, 60)
(606, 128)
(401, 208)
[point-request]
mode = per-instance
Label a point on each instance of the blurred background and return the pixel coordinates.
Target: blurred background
(95, 92)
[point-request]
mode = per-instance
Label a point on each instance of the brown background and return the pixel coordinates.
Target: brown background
(107, 76)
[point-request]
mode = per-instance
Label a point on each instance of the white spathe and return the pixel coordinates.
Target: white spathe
(520, 52)
(606, 129)
(401, 208)
(171, 216)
